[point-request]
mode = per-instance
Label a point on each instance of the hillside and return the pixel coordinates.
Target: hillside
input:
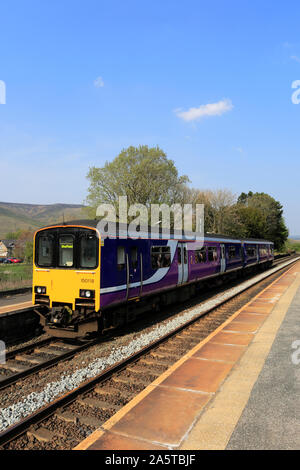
(15, 216)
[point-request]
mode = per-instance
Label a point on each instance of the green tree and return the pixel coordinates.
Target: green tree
(13, 235)
(145, 175)
(263, 217)
(24, 246)
(221, 215)
(28, 252)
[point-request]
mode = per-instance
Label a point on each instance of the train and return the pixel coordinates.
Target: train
(85, 281)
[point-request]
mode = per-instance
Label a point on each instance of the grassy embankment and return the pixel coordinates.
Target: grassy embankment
(13, 276)
(292, 245)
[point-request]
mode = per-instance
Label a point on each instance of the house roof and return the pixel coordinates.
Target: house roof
(8, 243)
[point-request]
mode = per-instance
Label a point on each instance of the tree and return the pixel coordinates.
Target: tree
(145, 175)
(24, 246)
(263, 216)
(220, 211)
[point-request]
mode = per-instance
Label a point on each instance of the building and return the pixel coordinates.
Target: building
(6, 248)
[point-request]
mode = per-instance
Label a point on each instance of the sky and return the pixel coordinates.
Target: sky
(208, 82)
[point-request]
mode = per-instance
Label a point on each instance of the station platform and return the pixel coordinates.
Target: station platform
(237, 389)
(15, 302)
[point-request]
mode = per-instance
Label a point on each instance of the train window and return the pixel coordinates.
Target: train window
(212, 253)
(251, 251)
(185, 260)
(121, 258)
(160, 257)
(134, 257)
(66, 251)
(45, 250)
(231, 252)
(179, 255)
(88, 251)
(200, 255)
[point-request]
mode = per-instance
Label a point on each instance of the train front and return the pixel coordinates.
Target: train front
(66, 279)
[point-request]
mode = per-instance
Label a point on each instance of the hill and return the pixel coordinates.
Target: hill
(14, 216)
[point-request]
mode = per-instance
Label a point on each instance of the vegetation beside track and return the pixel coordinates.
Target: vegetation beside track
(13, 276)
(292, 245)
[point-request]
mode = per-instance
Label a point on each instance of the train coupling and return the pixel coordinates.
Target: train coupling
(61, 316)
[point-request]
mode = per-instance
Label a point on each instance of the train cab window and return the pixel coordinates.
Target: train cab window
(66, 251)
(160, 257)
(88, 251)
(121, 258)
(134, 257)
(212, 253)
(200, 255)
(45, 246)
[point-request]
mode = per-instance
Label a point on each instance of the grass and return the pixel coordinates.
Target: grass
(293, 245)
(13, 276)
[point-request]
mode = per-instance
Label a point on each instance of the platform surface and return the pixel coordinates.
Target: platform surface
(237, 389)
(15, 302)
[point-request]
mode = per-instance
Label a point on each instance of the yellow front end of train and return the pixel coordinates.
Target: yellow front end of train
(66, 278)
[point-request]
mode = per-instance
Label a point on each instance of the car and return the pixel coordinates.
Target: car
(5, 261)
(15, 260)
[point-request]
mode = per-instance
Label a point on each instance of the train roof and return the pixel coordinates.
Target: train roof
(93, 223)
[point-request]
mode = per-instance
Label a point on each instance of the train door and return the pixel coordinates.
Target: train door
(133, 266)
(242, 252)
(222, 258)
(183, 268)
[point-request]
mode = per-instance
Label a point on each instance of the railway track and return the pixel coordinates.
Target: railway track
(66, 421)
(33, 358)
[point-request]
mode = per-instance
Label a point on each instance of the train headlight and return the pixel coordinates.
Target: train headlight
(40, 290)
(88, 294)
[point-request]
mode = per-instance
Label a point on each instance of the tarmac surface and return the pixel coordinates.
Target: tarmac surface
(271, 418)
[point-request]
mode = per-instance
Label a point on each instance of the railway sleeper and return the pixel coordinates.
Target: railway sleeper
(96, 403)
(30, 359)
(154, 362)
(43, 435)
(131, 381)
(141, 369)
(164, 354)
(47, 350)
(74, 418)
(14, 367)
(112, 392)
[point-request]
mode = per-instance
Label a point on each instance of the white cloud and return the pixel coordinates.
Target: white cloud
(99, 83)
(211, 109)
(296, 58)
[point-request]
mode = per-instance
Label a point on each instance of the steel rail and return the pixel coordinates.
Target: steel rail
(46, 411)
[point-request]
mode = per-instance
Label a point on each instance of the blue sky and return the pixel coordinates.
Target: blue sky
(85, 79)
